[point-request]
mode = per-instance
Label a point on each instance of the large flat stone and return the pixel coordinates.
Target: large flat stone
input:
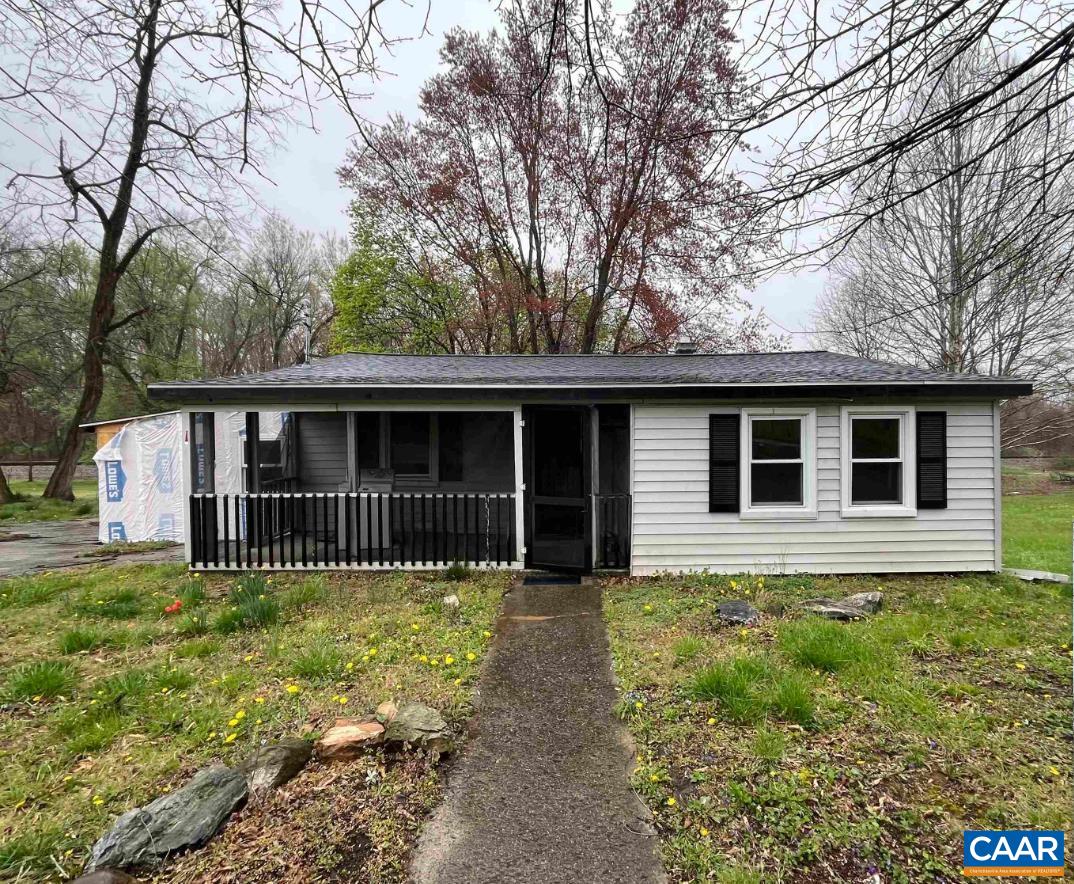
(183, 819)
(272, 766)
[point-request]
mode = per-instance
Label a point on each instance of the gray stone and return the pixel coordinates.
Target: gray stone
(738, 611)
(418, 725)
(188, 817)
(272, 766)
(106, 876)
(869, 602)
(853, 607)
(451, 601)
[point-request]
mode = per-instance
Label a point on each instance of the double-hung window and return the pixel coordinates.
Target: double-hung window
(779, 463)
(877, 462)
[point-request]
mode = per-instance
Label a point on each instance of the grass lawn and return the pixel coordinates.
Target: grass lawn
(804, 750)
(30, 506)
(1036, 531)
(107, 701)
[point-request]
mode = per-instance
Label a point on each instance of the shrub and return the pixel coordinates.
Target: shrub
(823, 644)
(46, 678)
(75, 640)
(456, 571)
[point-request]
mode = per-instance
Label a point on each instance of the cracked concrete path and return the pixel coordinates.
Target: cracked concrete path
(38, 546)
(542, 793)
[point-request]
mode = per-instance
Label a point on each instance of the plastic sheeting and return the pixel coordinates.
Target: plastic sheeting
(140, 484)
(139, 481)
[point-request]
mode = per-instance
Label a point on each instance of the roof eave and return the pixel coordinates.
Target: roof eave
(301, 393)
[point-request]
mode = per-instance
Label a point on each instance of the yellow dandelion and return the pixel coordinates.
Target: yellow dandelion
(415, 626)
(638, 704)
(241, 714)
(448, 660)
(1019, 666)
(704, 832)
(372, 652)
(672, 802)
(292, 689)
(648, 608)
(434, 662)
(259, 700)
(423, 659)
(471, 656)
(487, 634)
(712, 721)
(98, 800)
(349, 666)
(458, 681)
(258, 721)
(653, 778)
(230, 738)
(342, 701)
(248, 658)
(233, 723)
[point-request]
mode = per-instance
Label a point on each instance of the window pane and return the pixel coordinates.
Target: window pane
(779, 439)
(876, 483)
(410, 443)
(874, 437)
(776, 483)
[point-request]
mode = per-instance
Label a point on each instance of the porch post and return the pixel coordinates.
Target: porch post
(520, 492)
(253, 452)
(186, 424)
(352, 451)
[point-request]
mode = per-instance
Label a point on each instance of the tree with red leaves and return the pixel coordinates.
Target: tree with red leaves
(579, 203)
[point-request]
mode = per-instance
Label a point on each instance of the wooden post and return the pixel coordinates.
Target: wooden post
(253, 452)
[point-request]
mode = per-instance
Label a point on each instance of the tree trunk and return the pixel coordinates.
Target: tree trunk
(103, 311)
(6, 495)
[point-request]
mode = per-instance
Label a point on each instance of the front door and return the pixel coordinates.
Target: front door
(559, 520)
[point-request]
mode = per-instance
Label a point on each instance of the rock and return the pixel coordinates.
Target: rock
(272, 766)
(738, 611)
(869, 602)
(387, 711)
(853, 607)
(188, 817)
(106, 876)
(349, 738)
(418, 725)
(451, 601)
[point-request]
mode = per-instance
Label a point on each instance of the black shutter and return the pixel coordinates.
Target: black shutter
(932, 460)
(723, 463)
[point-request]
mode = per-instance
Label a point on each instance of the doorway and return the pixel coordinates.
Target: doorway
(559, 524)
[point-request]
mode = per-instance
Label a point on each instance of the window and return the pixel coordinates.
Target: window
(779, 470)
(411, 443)
(877, 462)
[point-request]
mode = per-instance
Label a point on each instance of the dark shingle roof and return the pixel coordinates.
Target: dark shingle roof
(795, 369)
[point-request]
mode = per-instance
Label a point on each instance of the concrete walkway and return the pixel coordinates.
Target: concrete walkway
(42, 546)
(542, 793)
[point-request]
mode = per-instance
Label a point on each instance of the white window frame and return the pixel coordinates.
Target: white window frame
(906, 415)
(780, 512)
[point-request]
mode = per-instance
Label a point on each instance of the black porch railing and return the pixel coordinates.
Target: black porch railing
(351, 530)
(613, 530)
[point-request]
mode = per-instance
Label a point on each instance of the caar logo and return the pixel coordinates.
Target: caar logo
(1022, 853)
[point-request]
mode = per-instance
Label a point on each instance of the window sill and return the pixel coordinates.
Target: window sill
(878, 512)
(776, 514)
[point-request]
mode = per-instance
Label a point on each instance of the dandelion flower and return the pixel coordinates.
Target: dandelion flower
(372, 652)
(349, 666)
(98, 800)
(292, 689)
(233, 723)
(415, 626)
(704, 832)
(342, 701)
(241, 714)
(638, 704)
(423, 659)
(471, 656)
(458, 681)
(248, 658)
(230, 738)
(1019, 666)
(259, 700)
(487, 634)
(648, 608)
(448, 660)
(712, 721)
(672, 802)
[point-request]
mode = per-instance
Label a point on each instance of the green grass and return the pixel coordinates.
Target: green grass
(124, 548)
(137, 703)
(30, 506)
(1037, 531)
(816, 750)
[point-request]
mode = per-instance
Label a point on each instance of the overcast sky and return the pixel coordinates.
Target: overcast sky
(305, 189)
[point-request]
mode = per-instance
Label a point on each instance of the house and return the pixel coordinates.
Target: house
(763, 462)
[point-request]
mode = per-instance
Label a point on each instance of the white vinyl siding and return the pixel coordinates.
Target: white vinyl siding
(674, 531)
